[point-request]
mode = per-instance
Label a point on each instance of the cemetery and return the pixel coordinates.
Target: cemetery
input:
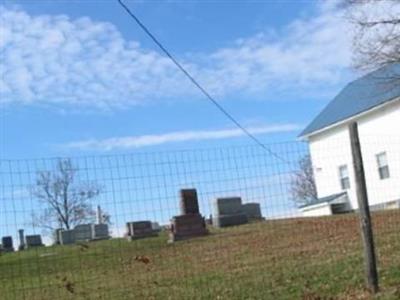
(150, 256)
(188, 224)
(111, 270)
(183, 119)
(147, 250)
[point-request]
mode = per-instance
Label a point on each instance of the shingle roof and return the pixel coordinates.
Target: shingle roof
(326, 199)
(359, 96)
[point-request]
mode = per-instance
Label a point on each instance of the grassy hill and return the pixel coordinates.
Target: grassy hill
(318, 258)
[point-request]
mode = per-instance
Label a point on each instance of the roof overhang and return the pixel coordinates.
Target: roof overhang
(351, 119)
(321, 202)
(314, 206)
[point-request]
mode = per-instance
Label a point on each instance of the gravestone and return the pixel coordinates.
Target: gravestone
(187, 226)
(253, 211)
(228, 206)
(189, 203)
(230, 220)
(57, 236)
(140, 229)
(7, 243)
(83, 232)
(156, 227)
(34, 240)
(190, 223)
(21, 240)
(67, 237)
(229, 212)
(100, 231)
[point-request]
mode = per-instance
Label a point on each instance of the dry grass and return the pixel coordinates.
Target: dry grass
(309, 259)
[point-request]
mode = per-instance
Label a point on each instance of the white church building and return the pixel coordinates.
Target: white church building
(373, 101)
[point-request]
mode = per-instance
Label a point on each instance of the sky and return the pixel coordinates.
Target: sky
(80, 79)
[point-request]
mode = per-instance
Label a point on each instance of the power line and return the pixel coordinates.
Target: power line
(194, 81)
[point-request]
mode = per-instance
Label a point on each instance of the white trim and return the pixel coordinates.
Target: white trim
(342, 199)
(352, 118)
(314, 206)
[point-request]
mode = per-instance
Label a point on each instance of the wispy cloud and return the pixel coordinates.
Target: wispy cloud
(131, 142)
(55, 59)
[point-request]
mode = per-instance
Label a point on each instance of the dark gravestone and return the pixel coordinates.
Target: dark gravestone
(7, 244)
(230, 220)
(187, 226)
(190, 223)
(140, 229)
(253, 211)
(229, 212)
(189, 203)
(33, 241)
(228, 206)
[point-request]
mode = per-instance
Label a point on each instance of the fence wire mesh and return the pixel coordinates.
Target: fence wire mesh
(119, 227)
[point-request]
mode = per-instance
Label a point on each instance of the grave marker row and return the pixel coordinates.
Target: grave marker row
(82, 233)
(29, 241)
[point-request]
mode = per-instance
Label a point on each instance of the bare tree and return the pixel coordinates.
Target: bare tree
(376, 41)
(303, 188)
(67, 203)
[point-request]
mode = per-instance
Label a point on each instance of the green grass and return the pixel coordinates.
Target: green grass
(319, 258)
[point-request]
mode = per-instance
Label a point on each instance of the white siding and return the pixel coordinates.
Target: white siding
(379, 131)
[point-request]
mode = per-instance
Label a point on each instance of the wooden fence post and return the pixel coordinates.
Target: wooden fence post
(364, 213)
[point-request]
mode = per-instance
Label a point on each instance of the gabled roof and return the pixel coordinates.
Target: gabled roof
(359, 96)
(327, 199)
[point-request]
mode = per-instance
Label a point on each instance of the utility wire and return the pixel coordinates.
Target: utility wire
(194, 81)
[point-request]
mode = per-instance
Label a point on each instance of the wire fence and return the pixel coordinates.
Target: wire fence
(219, 223)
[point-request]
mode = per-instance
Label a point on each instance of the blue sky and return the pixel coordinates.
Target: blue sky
(79, 78)
(79, 75)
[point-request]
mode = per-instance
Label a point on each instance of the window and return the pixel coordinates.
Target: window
(344, 177)
(383, 167)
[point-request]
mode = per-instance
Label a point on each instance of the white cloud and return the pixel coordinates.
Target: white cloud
(307, 54)
(131, 142)
(53, 59)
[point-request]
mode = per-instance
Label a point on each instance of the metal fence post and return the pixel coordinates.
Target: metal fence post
(364, 213)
